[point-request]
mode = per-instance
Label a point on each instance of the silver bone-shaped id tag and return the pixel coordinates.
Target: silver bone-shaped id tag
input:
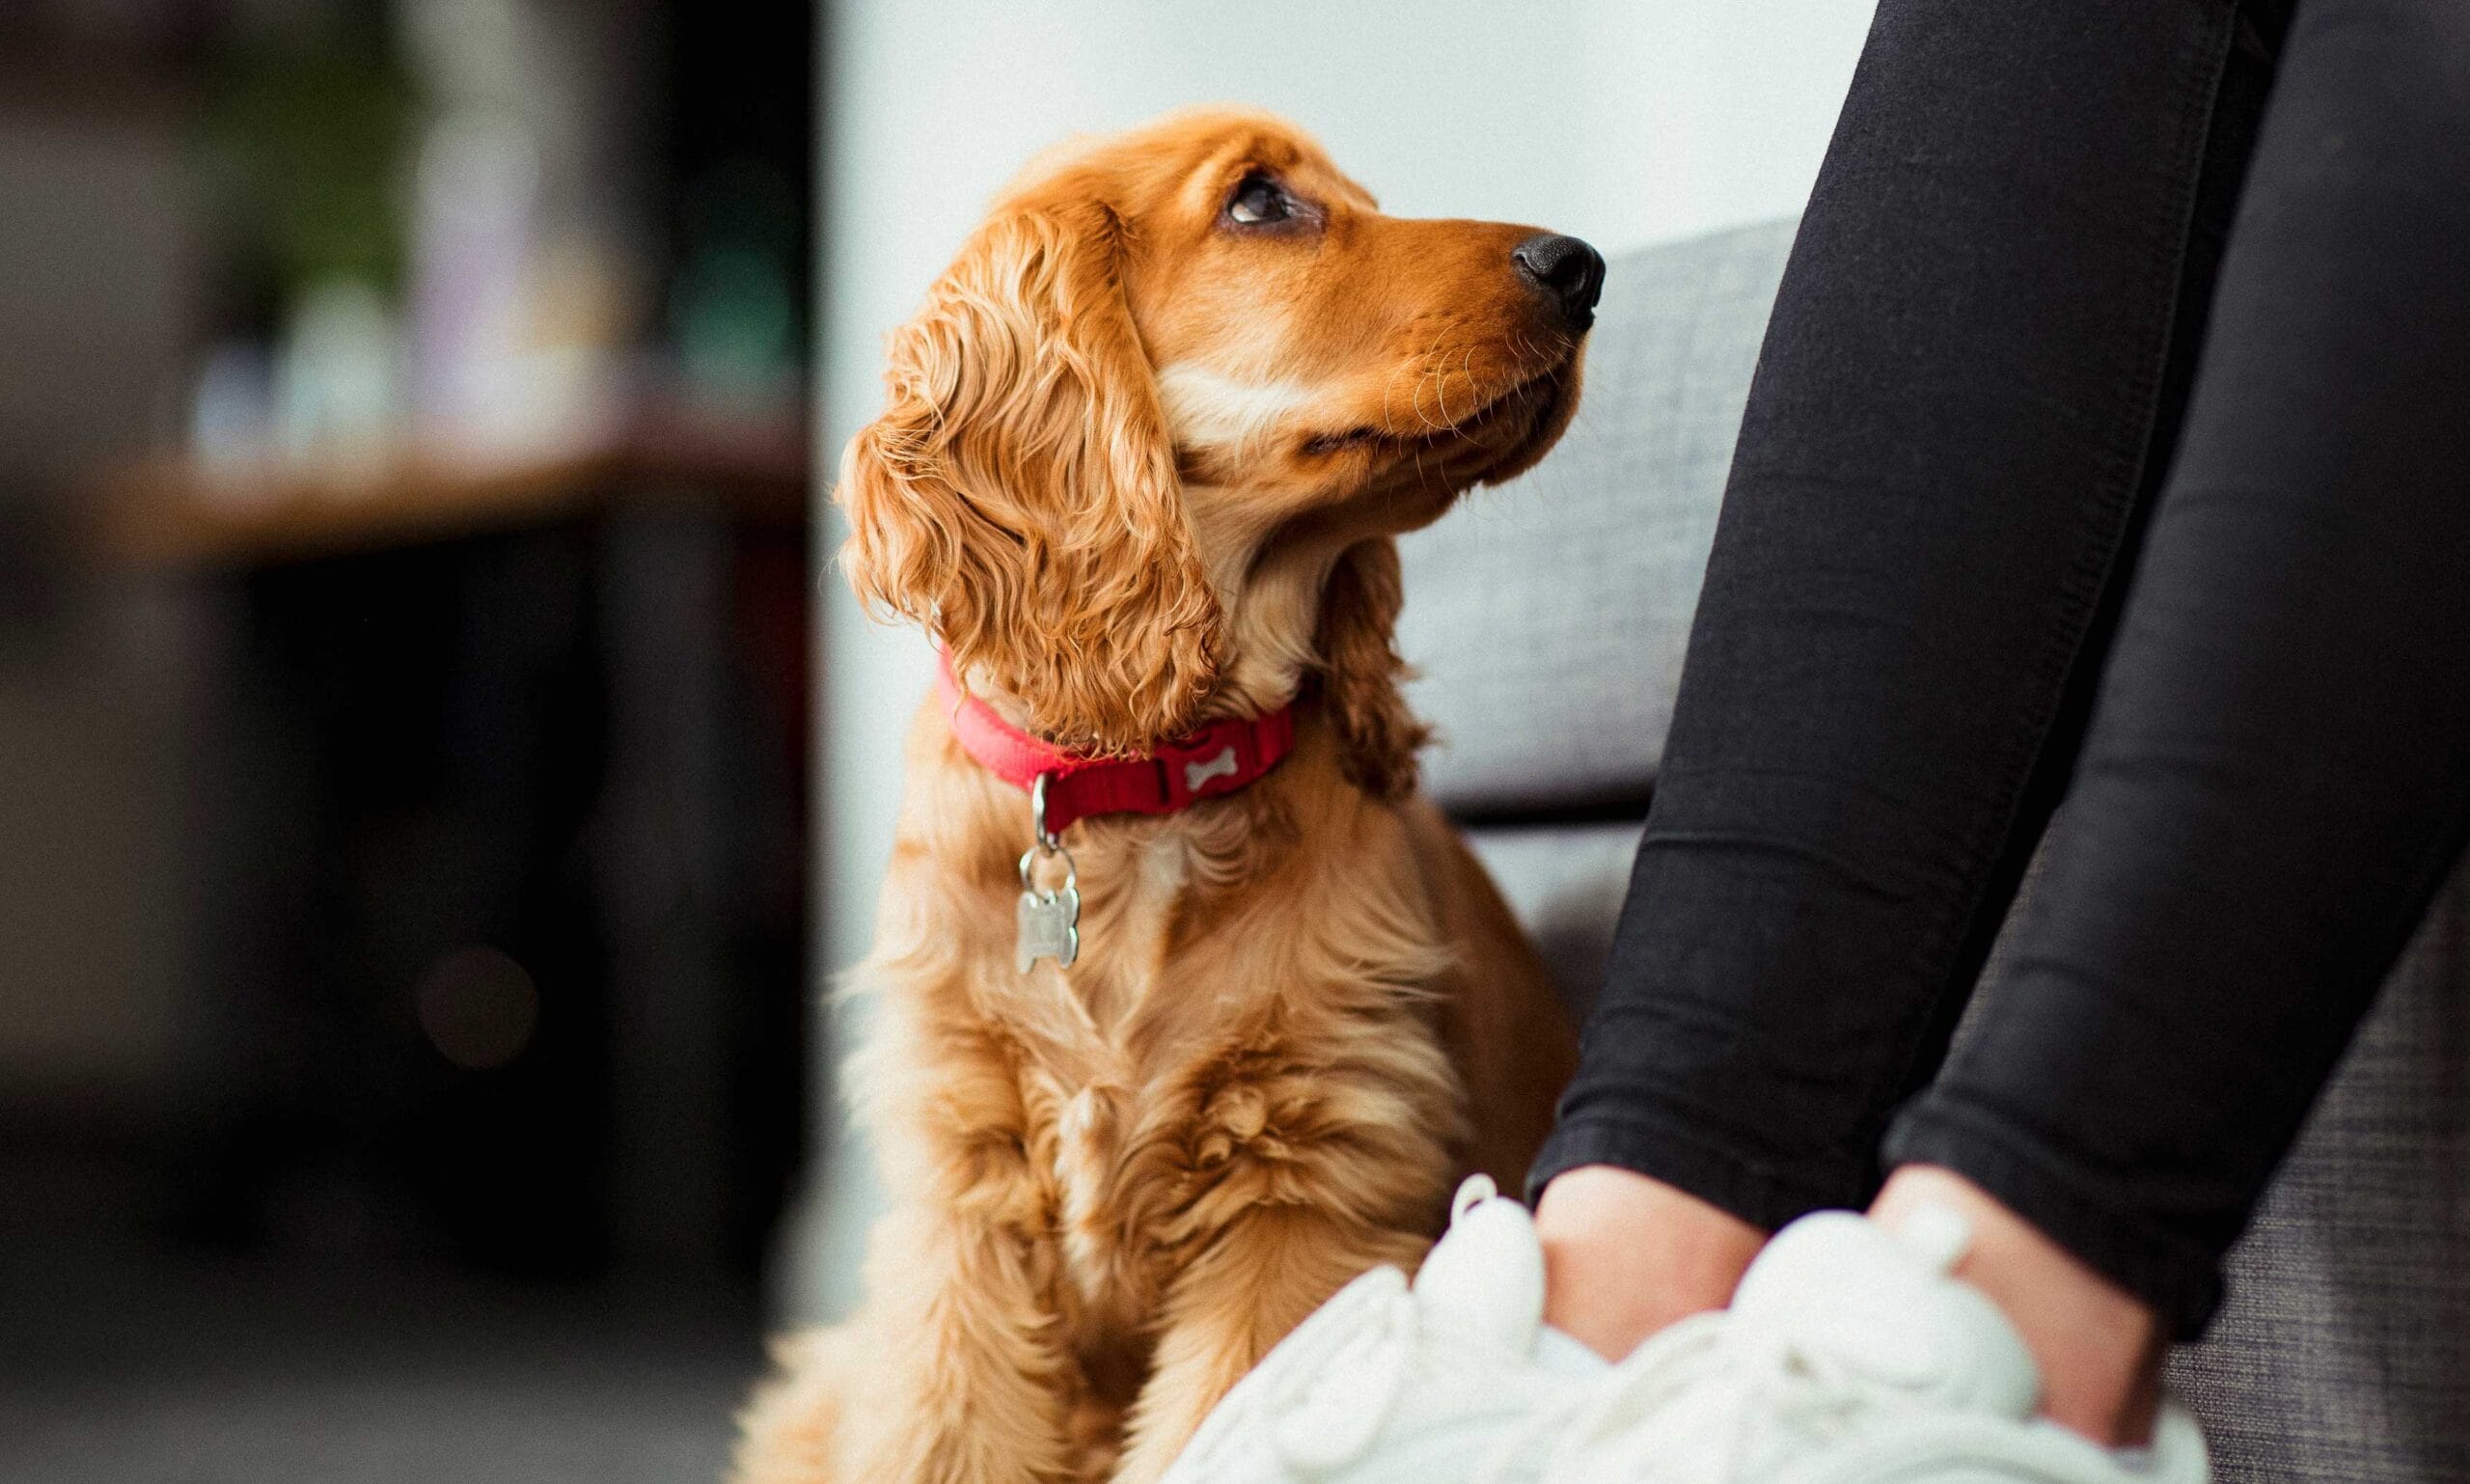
(1046, 924)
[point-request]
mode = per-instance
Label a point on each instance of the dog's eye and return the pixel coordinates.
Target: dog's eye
(1258, 200)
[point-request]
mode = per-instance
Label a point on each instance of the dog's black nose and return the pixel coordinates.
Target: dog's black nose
(1566, 268)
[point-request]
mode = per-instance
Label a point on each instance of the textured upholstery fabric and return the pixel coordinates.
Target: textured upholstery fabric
(1550, 620)
(1562, 600)
(2344, 1350)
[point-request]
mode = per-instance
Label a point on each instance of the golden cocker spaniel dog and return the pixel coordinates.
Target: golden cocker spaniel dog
(1146, 450)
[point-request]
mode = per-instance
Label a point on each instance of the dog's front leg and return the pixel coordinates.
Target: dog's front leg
(1233, 1301)
(969, 1383)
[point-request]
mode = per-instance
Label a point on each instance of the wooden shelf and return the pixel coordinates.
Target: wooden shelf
(180, 511)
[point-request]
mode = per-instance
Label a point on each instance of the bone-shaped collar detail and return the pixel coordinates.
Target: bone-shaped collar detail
(1218, 759)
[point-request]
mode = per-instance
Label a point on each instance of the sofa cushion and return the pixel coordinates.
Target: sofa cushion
(1549, 615)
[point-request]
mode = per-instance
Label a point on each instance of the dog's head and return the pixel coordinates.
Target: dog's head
(1147, 437)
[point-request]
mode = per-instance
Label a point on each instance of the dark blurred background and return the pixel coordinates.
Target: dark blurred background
(404, 671)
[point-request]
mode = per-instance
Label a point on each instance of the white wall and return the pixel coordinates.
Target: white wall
(1624, 122)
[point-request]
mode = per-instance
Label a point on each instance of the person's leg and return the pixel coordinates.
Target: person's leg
(1968, 387)
(2277, 775)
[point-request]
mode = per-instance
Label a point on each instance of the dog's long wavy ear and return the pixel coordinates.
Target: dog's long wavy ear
(1361, 671)
(1017, 495)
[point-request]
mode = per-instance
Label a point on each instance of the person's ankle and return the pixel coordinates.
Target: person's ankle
(1625, 1256)
(2099, 1347)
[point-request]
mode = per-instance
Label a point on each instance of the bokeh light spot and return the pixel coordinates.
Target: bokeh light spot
(478, 1008)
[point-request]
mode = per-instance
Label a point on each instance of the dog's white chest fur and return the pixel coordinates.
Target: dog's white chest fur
(1083, 1160)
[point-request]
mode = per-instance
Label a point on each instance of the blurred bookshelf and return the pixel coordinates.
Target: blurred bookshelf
(404, 576)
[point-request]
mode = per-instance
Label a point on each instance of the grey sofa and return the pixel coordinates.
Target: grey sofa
(1549, 617)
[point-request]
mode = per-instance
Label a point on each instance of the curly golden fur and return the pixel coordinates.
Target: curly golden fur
(1146, 450)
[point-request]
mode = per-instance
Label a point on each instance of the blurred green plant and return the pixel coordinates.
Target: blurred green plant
(733, 309)
(309, 144)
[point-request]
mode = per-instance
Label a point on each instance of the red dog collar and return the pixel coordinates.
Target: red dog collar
(1218, 758)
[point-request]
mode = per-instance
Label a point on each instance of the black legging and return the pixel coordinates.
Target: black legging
(2111, 442)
